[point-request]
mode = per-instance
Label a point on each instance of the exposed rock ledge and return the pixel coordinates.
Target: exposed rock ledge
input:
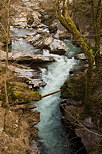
(20, 57)
(30, 75)
(17, 122)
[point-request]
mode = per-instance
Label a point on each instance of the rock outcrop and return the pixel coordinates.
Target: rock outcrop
(26, 16)
(47, 41)
(87, 126)
(17, 122)
(24, 58)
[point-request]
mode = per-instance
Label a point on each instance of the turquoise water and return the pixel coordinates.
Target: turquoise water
(51, 130)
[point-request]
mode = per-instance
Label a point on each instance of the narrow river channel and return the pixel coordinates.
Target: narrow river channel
(51, 130)
(52, 133)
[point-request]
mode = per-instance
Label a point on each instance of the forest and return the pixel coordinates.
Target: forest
(51, 76)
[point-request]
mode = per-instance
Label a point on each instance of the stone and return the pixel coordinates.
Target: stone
(80, 56)
(58, 47)
(45, 40)
(36, 83)
(20, 57)
(33, 38)
(48, 40)
(29, 74)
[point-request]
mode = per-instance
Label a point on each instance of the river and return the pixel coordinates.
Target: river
(52, 133)
(51, 130)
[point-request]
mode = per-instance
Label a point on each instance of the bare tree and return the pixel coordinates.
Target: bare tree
(90, 52)
(5, 35)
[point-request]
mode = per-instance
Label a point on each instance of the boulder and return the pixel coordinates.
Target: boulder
(80, 56)
(47, 41)
(41, 41)
(32, 39)
(58, 47)
(29, 74)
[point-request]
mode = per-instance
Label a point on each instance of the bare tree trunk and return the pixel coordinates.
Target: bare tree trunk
(7, 50)
(97, 14)
(68, 23)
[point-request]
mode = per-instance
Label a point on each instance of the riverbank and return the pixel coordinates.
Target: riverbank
(87, 126)
(17, 121)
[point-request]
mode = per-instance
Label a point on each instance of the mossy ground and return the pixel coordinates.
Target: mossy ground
(18, 90)
(17, 121)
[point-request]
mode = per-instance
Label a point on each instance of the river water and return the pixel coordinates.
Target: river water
(51, 130)
(52, 133)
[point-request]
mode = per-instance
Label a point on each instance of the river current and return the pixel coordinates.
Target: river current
(51, 130)
(52, 133)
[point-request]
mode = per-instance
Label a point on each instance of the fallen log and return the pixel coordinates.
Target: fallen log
(50, 93)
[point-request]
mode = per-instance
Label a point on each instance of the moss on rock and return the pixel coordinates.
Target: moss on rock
(74, 87)
(20, 92)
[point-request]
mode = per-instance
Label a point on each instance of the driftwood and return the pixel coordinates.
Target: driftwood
(50, 93)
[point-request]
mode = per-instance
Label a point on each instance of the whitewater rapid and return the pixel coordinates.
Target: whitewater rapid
(51, 130)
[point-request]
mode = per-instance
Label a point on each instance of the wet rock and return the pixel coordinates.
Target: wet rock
(80, 56)
(36, 83)
(43, 30)
(47, 41)
(32, 39)
(20, 57)
(57, 47)
(35, 149)
(29, 74)
(43, 41)
(90, 139)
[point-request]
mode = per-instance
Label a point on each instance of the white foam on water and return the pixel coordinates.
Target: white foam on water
(51, 130)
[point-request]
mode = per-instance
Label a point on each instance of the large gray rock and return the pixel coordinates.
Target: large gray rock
(47, 41)
(20, 57)
(57, 46)
(29, 74)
